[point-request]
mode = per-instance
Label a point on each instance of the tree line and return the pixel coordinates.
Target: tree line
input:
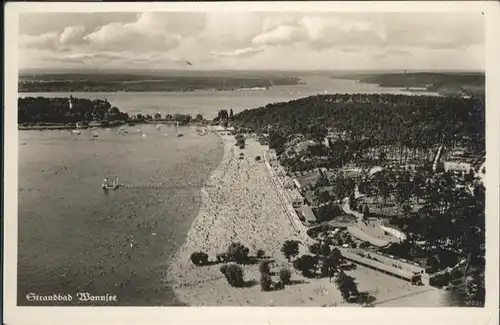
(362, 124)
(32, 110)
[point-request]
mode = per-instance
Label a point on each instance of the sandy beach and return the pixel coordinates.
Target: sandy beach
(241, 204)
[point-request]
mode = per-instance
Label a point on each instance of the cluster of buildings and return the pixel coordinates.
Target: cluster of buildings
(293, 189)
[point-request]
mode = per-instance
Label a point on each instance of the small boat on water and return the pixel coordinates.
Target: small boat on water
(180, 135)
(113, 186)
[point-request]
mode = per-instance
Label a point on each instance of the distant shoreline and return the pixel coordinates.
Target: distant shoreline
(73, 126)
(48, 91)
(147, 83)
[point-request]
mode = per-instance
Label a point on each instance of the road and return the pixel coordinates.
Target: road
(286, 202)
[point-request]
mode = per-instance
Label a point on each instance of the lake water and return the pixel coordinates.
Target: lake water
(74, 237)
(208, 103)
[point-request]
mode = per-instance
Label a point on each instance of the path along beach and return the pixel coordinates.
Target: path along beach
(241, 204)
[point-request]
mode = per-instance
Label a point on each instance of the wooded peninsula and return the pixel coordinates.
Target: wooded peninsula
(109, 82)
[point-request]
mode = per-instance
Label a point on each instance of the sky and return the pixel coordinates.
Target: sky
(252, 40)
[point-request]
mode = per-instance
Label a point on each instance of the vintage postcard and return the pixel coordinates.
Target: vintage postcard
(251, 155)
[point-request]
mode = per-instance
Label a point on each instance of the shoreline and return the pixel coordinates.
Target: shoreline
(235, 207)
(73, 127)
(241, 204)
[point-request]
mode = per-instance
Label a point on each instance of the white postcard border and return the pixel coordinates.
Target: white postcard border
(250, 315)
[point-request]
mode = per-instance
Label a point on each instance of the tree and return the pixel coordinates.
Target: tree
(264, 267)
(285, 276)
(332, 263)
(238, 253)
(233, 274)
(157, 116)
(59, 110)
(223, 115)
(114, 110)
(222, 258)
(315, 249)
(306, 264)
(325, 249)
(261, 253)
(346, 285)
(290, 249)
(87, 116)
(334, 258)
(265, 282)
(231, 115)
(366, 212)
(352, 201)
(199, 258)
(199, 118)
(469, 177)
(240, 142)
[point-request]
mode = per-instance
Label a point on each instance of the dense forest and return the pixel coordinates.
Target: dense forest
(364, 123)
(141, 82)
(364, 130)
(33, 110)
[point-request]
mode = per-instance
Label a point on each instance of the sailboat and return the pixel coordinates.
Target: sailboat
(177, 130)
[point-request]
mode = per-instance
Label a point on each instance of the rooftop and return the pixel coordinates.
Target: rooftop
(308, 213)
(370, 231)
(385, 264)
(295, 195)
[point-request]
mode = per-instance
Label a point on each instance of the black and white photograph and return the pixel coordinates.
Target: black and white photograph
(251, 158)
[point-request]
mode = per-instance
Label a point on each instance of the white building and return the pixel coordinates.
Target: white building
(271, 155)
(326, 142)
(297, 184)
(457, 166)
(297, 199)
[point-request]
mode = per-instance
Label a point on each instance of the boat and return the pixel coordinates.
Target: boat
(180, 135)
(106, 186)
(94, 124)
